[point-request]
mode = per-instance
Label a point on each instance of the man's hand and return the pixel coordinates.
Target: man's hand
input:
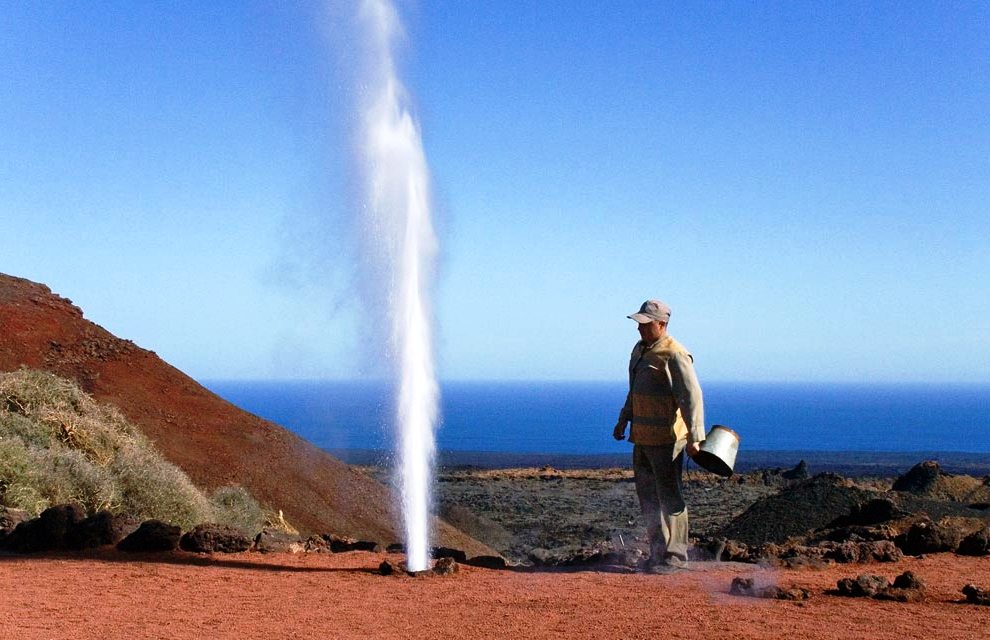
(693, 448)
(619, 433)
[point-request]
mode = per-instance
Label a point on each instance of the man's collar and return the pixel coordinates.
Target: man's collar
(649, 347)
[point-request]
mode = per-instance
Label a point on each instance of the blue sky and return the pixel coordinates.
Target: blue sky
(806, 184)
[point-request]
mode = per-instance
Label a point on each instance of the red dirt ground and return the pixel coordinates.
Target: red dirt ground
(106, 594)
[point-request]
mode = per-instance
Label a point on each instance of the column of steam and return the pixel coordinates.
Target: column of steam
(398, 188)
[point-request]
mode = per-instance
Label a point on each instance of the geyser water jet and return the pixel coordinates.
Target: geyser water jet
(398, 207)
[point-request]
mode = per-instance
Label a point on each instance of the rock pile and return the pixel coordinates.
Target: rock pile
(808, 505)
(61, 527)
(604, 557)
(214, 538)
(748, 587)
(828, 518)
(66, 527)
(976, 595)
(976, 543)
(446, 566)
(152, 535)
(906, 587)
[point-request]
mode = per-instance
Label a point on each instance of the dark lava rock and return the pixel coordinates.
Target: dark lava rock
(25, 538)
(799, 472)
(871, 512)
(908, 580)
(343, 544)
(790, 555)
(778, 477)
(921, 478)
(906, 587)
(395, 547)
(926, 536)
(862, 552)
(731, 551)
(58, 521)
(858, 533)
(975, 544)
(566, 556)
(487, 562)
(447, 552)
(152, 535)
(48, 531)
(624, 557)
(442, 567)
(445, 566)
(901, 595)
(99, 529)
(795, 555)
(976, 595)
(864, 586)
(317, 544)
(796, 510)
(215, 538)
(747, 587)
(275, 541)
(10, 518)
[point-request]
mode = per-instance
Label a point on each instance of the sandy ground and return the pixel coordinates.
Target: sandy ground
(108, 594)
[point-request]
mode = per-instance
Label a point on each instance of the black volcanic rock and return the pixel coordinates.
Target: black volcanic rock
(273, 541)
(796, 510)
(975, 544)
(926, 536)
(921, 478)
(99, 529)
(863, 586)
(49, 531)
(152, 535)
(214, 538)
(976, 595)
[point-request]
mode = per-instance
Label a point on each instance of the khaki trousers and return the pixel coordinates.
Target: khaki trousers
(658, 484)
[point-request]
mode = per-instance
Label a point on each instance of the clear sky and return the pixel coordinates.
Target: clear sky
(806, 184)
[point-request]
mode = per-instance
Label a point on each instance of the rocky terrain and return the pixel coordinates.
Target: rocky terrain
(560, 516)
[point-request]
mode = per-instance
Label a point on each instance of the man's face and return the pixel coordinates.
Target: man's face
(650, 332)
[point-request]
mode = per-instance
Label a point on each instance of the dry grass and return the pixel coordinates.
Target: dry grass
(58, 445)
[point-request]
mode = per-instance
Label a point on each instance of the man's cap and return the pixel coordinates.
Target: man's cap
(650, 311)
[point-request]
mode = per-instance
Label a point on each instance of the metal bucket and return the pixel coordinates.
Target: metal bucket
(718, 451)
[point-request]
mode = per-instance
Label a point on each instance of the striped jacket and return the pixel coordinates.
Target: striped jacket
(664, 403)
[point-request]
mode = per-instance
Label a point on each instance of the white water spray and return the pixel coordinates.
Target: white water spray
(398, 206)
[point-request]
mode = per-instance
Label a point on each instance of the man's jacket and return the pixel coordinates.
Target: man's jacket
(664, 403)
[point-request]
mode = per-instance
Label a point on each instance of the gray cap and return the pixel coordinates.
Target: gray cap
(650, 311)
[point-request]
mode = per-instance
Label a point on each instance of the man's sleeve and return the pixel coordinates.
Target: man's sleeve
(688, 394)
(626, 413)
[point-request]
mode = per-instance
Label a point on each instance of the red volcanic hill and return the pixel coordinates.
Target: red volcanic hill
(213, 441)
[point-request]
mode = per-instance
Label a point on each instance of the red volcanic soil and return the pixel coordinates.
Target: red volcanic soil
(213, 441)
(107, 594)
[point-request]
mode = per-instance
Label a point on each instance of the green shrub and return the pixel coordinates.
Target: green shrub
(155, 488)
(236, 507)
(20, 427)
(58, 445)
(65, 475)
(18, 477)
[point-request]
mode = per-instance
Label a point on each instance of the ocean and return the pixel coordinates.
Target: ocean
(545, 419)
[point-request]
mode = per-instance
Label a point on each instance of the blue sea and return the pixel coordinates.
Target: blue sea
(576, 418)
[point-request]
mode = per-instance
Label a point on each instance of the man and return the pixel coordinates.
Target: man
(665, 408)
